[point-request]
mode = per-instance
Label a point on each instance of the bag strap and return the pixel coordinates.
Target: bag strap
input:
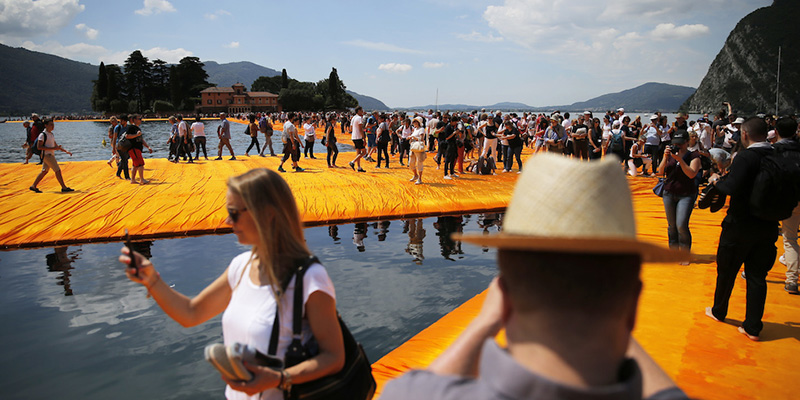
(297, 317)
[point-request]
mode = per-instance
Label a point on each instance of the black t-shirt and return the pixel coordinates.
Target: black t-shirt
(448, 130)
(490, 131)
(516, 141)
(137, 141)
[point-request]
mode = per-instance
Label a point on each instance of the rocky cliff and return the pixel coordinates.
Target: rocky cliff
(744, 72)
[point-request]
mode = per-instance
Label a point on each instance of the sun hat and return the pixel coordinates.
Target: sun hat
(654, 116)
(419, 120)
(739, 120)
(567, 206)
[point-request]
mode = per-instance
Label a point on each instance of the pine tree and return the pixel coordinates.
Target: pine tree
(284, 79)
(138, 72)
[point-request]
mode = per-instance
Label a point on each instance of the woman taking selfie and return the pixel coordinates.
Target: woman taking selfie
(264, 215)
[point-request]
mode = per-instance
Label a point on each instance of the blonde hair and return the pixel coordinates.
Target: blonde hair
(281, 241)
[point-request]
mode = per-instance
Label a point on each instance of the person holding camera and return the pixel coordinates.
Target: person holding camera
(680, 166)
(263, 214)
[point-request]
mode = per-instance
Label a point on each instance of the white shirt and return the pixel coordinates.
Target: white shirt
(310, 132)
(49, 140)
(199, 129)
(182, 128)
(357, 124)
(431, 126)
(250, 313)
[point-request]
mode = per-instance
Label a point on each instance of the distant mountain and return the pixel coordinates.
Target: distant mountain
(648, 97)
(225, 75)
(369, 103)
(744, 73)
(37, 82)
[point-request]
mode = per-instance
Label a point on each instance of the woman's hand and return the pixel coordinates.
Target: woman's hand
(264, 378)
(147, 274)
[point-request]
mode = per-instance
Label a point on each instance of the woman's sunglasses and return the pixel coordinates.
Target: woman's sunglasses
(234, 214)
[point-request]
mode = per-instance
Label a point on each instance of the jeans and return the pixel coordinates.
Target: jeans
(267, 143)
(123, 164)
(333, 152)
(451, 153)
(253, 142)
(679, 210)
(309, 148)
(200, 141)
(383, 149)
(511, 153)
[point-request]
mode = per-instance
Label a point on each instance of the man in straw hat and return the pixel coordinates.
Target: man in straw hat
(566, 295)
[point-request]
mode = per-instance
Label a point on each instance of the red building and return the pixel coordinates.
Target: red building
(236, 100)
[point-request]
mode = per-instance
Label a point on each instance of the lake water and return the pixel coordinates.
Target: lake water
(85, 140)
(74, 327)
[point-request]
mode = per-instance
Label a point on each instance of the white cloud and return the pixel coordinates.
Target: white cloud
(670, 31)
(219, 13)
(479, 37)
(397, 68)
(171, 56)
(433, 64)
(78, 51)
(381, 46)
(232, 45)
(89, 32)
(155, 7)
(28, 18)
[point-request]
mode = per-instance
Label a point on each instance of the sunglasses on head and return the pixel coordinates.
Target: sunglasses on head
(234, 214)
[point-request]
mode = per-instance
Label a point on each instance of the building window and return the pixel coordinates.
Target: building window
(219, 101)
(210, 101)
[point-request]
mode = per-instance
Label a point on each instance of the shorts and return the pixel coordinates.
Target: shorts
(49, 162)
(136, 157)
(371, 140)
(359, 143)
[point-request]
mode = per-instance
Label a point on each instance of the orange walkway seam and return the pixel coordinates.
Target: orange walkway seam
(708, 359)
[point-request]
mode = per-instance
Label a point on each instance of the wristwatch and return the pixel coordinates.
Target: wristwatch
(286, 381)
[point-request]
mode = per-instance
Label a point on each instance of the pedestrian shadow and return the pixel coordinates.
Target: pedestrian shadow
(704, 258)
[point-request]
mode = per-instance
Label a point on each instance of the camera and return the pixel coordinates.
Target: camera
(674, 149)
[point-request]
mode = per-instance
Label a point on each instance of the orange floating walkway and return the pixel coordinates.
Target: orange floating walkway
(708, 359)
(187, 199)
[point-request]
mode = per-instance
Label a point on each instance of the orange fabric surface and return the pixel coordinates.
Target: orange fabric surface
(708, 359)
(190, 198)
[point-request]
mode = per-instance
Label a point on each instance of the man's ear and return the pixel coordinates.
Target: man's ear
(508, 308)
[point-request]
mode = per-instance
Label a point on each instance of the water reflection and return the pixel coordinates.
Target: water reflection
(61, 261)
(114, 338)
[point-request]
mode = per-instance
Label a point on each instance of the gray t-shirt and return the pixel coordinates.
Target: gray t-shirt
(501, 377)
(226, 129)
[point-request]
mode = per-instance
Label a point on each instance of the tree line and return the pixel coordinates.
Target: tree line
(294, 95)
(145, 86)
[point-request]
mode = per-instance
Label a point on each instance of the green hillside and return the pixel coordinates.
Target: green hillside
(43, 83)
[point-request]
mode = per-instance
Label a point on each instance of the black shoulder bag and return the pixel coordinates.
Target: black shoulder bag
(353, 382)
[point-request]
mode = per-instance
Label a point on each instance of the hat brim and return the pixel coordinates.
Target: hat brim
(649, 252)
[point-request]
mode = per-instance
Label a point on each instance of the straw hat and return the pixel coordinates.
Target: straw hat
(567, 206)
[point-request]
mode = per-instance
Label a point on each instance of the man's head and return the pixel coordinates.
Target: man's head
(786, 127)
(222, 115)
(359, 110)
(123, 119)
(753, 130)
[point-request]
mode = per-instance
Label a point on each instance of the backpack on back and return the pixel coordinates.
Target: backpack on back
(776, 188)
(616, 141)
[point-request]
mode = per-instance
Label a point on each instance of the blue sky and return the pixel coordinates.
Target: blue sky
(479, 52)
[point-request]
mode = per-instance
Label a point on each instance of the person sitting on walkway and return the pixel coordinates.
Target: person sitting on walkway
(566, 296)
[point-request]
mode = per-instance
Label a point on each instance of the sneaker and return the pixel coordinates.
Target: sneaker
(352, 165)
(232, 158)
(791, 288)
(298, 169)
(413, 179)
(35, 189)
(218, 158)
(419, 182)
(455, 175)
(377, 166)
(280, 169)
(362, 170)
(66, 189)
(447, 177)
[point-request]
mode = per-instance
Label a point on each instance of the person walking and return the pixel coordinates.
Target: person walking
(291, 143)
(786, 129)
(265, 126)
(199, 133)
(417, 140)
(46, 143)
(224, 134)
(119, 132)
(382, 141)
(134, 134)
(252, 130)
(404, 132)
(330, 141)
(357, 135)
(310, 136)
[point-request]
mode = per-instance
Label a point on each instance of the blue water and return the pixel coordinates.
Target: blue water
(75, 327)
(85, 140)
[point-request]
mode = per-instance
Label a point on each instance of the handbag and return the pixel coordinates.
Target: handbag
(658, 189)
(124, 144)
(354, 381)
(418, 146)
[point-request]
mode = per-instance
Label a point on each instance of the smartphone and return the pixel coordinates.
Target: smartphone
(128, 244)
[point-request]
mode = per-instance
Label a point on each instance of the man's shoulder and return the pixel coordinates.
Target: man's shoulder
(421, 384)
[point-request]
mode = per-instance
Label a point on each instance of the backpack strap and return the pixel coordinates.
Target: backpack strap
(297, 317)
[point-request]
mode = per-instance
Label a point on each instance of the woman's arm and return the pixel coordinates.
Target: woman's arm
(184, 310)
(690, 170)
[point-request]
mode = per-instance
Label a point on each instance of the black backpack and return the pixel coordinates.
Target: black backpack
(776, 188)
